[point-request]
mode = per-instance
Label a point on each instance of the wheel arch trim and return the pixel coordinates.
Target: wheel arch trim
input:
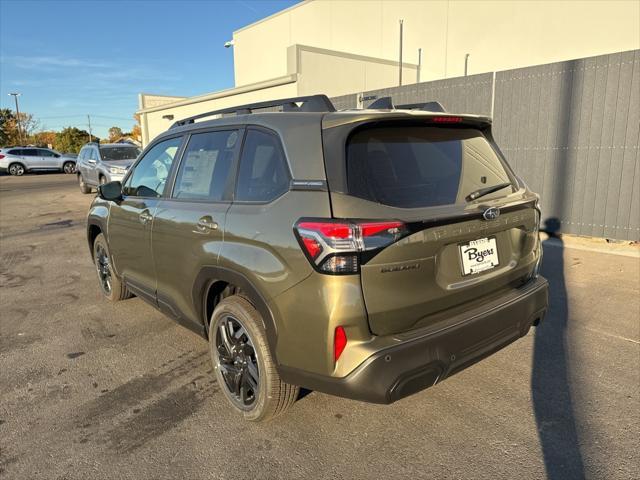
(209, 275)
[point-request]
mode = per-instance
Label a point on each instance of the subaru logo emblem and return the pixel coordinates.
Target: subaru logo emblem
(491, 213)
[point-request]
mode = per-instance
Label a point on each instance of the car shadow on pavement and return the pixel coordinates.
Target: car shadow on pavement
(551, 379)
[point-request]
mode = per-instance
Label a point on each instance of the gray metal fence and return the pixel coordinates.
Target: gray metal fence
(570, 129)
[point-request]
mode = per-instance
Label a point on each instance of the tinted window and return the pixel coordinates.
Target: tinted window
(46, 153)
(150, 174)
(30, 152)
(263, 172)
(412, 167)
(206, 165)
(113, 154)
(16, 151)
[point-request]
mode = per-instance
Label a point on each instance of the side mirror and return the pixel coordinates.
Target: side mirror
(111, 191)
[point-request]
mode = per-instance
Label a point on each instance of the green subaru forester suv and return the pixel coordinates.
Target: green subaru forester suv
(363, 253)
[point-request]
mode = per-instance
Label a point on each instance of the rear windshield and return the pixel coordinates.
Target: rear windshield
(413, 167)
(113, 154)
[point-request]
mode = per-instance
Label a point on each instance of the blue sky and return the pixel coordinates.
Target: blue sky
(72, 58)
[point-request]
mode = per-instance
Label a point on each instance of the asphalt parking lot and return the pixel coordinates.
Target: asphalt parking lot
(90, 389)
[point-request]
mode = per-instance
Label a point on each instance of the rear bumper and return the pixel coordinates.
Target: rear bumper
(421, 359)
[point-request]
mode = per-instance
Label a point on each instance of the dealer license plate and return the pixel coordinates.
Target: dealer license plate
(479, 256)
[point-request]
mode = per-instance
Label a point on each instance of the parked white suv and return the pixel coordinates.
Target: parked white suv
(18, 160)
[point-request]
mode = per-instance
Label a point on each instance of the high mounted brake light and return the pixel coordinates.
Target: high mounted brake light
(446, 119)
(334, 247)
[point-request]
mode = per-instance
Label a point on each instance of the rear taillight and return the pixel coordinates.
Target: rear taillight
(339, 342)
(334, 247)
(1, 156)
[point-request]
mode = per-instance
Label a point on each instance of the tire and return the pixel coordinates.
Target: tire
(112, 287)
(69, 167)
(249, 347)
(84, 188)
(17, 169)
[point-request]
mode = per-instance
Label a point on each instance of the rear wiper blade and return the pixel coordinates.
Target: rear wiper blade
(481, 192)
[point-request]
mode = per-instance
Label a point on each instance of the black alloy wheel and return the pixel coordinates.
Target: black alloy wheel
(237, 362)
(104, 271)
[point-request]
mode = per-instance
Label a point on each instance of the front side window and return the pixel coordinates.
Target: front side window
(151, 173)
(206, 165)
(93, 155)
(415, 166)
(263, 174)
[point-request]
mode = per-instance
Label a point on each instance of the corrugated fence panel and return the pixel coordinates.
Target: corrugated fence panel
(345, 102)
(569, 129)
(470, 94)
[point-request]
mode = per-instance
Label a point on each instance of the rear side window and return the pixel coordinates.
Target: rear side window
(414, 167)
(263, 174)
(30, 152)
(206, 165)
(16, 151)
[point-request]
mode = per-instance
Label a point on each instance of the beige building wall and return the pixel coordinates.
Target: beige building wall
(498, 34)
(339, 73)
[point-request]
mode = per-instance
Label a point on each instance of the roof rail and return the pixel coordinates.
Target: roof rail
(386, 103)
(310, 103)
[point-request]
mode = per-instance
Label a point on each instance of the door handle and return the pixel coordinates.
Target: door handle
(145, 217)
(91, 162)
(206, 224)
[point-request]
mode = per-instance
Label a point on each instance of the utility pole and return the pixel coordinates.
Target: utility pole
(400, 80)
(419, 64)
(466, 63)
(15, 97)
(89, 120)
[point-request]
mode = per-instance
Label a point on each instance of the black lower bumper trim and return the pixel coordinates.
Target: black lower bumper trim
(418, 363)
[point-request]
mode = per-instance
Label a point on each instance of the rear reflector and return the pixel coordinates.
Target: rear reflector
(333, 246)
(339, 342)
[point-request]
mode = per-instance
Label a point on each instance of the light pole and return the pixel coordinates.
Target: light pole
(15, 97)
(466, 63)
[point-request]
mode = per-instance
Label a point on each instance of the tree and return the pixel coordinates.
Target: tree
(6, 118)
(14, 133)
(136, 133)
(71, 140)
(45, 138)
(115, 133)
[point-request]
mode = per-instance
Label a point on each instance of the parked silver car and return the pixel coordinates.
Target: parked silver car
(18, 160)
(102, 163)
